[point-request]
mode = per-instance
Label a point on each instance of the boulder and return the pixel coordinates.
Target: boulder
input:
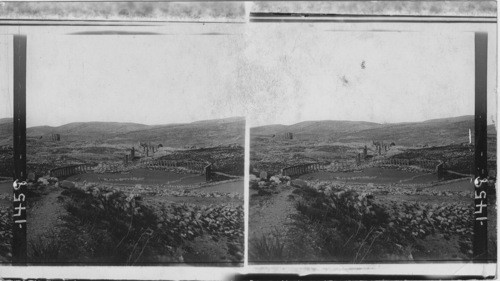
(299, 183)
(66, 184)
(253, 177)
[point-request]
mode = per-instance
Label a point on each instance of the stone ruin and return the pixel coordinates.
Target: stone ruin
(148, 147)
(440, 171)
(381, 146)
(129, 157)
(285, 136)
(55, 137)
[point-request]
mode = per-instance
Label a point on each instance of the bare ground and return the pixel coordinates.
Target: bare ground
(45, 216)
(269, 214)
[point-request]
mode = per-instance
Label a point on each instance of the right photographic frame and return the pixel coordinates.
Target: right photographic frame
(375, 136)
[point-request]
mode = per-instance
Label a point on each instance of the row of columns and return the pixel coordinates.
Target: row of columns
(191, 165)
(70, 170)
(423, 163)
(301, 169)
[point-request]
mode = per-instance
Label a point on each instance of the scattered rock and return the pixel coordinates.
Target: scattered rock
(52, 179)
(285, 178)
(43, 181)
(275, 179)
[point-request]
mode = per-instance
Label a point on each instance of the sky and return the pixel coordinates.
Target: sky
(271, 73)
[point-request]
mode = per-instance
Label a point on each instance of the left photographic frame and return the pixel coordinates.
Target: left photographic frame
(132, 155)
(7, 149)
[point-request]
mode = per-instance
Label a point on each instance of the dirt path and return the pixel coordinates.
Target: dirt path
(45, 216)
(271, 213)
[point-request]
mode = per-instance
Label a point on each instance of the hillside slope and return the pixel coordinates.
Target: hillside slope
(431, 132)
(201, 133)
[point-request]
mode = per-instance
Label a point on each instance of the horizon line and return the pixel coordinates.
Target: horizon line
(364, 121)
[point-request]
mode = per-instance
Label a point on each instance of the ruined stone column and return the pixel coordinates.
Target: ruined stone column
(440, 171)
(208, 173)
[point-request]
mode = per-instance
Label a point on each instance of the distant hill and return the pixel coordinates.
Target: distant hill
(5, 120)
(90, 129)
(6, 131)
(316, 128)
(431, 132)
(201, 133)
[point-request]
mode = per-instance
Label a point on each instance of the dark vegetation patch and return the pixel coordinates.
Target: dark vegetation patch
(332, 148)
(99, 150)
(6, 162)
(458, 158)
(228, 160)
(5, 234)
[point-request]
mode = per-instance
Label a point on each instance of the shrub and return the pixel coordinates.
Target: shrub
(344, 225)
(268, 248)
(5, 234)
